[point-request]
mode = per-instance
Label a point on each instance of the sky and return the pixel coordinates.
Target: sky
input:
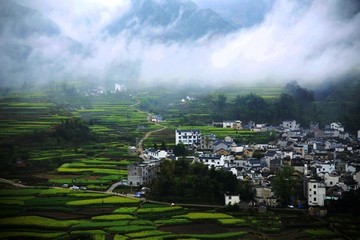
(281, 41)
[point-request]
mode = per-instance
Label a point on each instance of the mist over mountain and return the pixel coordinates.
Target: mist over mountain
(178, 42)
(169, 21)
(22, 22)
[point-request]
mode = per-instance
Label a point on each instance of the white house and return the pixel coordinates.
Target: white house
(337, 126)
(157, 154)
(120, 88)
(213, 160)
(232, 199)
(316, 193)
(350, 168)
(187, 137)
(331, 179)
(156, 118)
(326, 167)
(290, 125)
(233, 124)
(287, 153)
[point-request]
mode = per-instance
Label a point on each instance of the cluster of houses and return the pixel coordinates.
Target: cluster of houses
(100, 90)
(326, 160)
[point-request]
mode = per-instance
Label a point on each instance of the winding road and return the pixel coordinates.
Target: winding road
(148, 134)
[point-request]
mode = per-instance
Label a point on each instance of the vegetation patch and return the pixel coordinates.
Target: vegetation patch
(99, 224)
(88, 195)
(216, 236)
(129, 229)
(204, 216)
(141, 222)
(105, 200)
(37, 221)
(12, 202)
(159, 209)
(113, 217)
(168, 222)
(323, 233)
(144, 234)
(125, 210)
(34, 235)
(87, 233)
(233, 221)
(67, 169)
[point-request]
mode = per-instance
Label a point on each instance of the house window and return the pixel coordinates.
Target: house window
(331, 183)
(314, 192)
(229, 197)
(314, 199)
(314, 186)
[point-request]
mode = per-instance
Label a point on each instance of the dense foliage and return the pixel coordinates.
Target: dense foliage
(74, 131)
(181, 181)
(284, 184)
(294, 103)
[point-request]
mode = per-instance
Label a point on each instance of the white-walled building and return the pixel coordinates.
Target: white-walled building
(337, 126)
(325, 167)
(187, 137)
(331, 179)
(120, 88)
(316, 193)
(213, 160)
(157, 154)
(232, 199)
(142, 173)
(290, 124)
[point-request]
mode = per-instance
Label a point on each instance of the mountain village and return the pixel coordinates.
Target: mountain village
(326, 159)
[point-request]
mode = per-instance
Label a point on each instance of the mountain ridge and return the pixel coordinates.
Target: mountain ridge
(169, 21)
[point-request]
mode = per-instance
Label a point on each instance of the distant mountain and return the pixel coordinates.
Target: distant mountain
(23, 22)
(173, 20)
(26, 35)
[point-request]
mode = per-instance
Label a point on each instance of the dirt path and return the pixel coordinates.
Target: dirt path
(148, 134)
(3, 180)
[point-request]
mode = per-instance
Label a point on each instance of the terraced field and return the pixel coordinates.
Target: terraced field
(32, 154)
(66, 214)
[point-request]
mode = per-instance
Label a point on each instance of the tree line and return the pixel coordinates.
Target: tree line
(183, 181)
(294, 103)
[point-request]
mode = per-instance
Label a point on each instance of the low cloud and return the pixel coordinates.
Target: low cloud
(309, 42)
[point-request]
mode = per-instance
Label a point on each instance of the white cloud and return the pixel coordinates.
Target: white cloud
(310, 42)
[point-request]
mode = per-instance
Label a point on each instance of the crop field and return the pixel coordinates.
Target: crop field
(66, 213)
(95, 166)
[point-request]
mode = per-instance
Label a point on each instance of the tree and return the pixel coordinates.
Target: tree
(221, 102)
(163, 146)
(246, 191)
(284, 184)
(180, 150)
(284, 107)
